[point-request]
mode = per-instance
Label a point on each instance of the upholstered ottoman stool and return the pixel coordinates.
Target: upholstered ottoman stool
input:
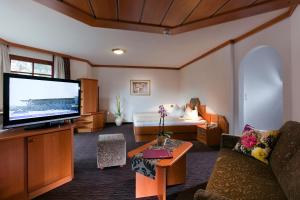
(111, 150)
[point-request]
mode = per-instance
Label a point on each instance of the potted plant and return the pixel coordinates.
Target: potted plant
(118, 114)
(162, 134)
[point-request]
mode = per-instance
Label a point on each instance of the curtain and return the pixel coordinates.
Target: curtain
(4, 67)
(4, 59)
(67, 68)
(59, 67)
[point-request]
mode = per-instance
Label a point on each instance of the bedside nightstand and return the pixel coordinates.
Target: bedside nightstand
(210, 136)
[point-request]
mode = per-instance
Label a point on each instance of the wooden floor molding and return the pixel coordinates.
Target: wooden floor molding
(255, 30)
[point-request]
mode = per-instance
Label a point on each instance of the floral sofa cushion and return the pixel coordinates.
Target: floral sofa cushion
(256, 143)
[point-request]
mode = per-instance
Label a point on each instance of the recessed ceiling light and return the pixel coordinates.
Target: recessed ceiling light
(118, 51)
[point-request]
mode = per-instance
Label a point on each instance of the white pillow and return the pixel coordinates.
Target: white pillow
(169, 107)
(191, 114)
(177, 111)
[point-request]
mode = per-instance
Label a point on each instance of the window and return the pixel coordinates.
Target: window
(31, 66)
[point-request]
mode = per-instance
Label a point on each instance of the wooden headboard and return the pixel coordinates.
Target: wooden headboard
(220, 120)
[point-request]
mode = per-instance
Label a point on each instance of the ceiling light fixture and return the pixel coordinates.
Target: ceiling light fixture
(118, 51)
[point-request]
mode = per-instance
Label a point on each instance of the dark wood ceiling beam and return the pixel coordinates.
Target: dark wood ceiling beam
(220, 8)
(104, 23)
(234, 15)
(81, 5)
(142, 11)
(186, 18)
(91, 8)
(130, 10)
(159, 6)
(117, 9)
(166, 13)
(156, 26)
(178, 12)
(235, 5)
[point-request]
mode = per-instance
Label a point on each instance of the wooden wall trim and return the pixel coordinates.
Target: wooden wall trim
(263, 26)
(136, 67)
(32, 60)
(257, 29)
(25, 47)
(16, 45)
(218, 47)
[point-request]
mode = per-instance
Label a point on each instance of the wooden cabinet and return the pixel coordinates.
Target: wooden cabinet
(49, 160)
(210, 136)
(33, 162)
(91, 122)
(89, 96)
(91, 118)
(12, 169)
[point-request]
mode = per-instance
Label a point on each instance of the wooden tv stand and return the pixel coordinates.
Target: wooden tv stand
(33, 162)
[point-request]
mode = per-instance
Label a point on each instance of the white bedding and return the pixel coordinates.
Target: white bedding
(152, 119)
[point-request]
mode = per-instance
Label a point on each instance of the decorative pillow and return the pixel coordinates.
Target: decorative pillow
(190, 114)
(177, 111)
(257, 143)
(169, 107)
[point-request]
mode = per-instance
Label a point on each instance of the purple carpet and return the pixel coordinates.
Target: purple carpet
(118, 183)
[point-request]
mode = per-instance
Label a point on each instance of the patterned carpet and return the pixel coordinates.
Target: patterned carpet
(118, 183)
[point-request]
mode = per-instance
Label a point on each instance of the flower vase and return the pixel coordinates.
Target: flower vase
(161, 141)
(119, 120)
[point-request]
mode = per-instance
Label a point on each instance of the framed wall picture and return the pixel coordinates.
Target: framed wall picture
(140, 87)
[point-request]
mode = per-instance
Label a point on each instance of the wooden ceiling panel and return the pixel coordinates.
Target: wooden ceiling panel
(80, 4)
(261, 1)
(130, 10)
(179, 11)
(205, 9)
(155, 10)
(235, 4)
(158, 15)
(104, 9)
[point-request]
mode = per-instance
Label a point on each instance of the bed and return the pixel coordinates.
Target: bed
(146, 123)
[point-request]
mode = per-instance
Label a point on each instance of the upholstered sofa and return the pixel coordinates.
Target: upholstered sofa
(236, 176)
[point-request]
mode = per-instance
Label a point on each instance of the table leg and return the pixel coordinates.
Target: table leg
(176, 173)
(146, 186)
(161, 183)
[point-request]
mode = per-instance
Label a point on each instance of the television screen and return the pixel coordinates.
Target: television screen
(31, 100)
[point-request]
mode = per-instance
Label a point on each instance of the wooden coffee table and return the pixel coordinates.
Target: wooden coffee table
(168, 172)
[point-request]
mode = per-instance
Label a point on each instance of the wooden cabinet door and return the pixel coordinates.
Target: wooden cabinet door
(98, 121)
(12, 169)
(50, 159)
(89, 89)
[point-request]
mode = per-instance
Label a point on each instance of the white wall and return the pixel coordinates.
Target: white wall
(116, 81)
(80, 69)
(276, 36)
(30, 54)
(214, 79)
(211, 79)
(262, 89)
(295, 65)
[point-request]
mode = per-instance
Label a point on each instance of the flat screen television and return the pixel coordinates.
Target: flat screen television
(29, 100)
